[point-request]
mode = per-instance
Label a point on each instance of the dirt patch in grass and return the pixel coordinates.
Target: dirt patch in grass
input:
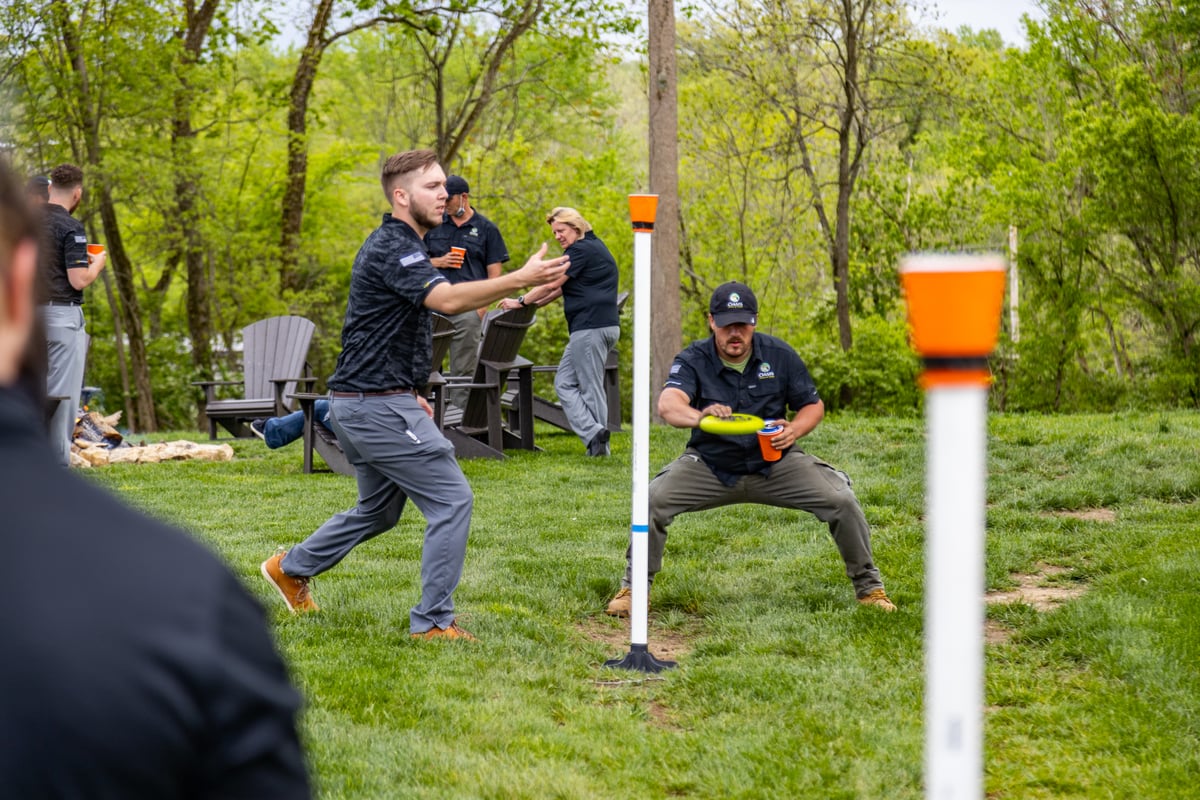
(668, 644)
(1033, 589)
(1089, 514)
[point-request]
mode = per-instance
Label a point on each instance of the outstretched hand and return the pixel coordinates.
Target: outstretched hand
(539, 270)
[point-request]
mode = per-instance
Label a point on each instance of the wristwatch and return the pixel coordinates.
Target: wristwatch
(521, 299)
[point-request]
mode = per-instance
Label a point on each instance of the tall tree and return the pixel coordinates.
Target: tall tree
(86, 103)
(830, 70)
(190, 36)
(664, 181)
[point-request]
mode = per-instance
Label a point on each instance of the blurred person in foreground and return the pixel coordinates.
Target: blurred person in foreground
(589, 293)
(135, 664)
(737, 370)
(384, 425)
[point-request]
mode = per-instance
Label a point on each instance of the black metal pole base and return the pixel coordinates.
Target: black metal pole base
(640, 659)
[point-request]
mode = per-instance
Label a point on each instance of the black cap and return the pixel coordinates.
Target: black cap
(733, 302)
(39, 186)
(456, 184)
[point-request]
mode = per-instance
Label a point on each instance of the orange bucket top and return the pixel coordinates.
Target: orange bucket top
(954, 303)
(642, 210)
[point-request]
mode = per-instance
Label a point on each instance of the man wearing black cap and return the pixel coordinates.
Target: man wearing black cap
(738, 370)
(481, 255)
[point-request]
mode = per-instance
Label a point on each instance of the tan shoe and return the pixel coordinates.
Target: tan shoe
(877, 598)
(452, 632)
(294, 591)
(621, 605)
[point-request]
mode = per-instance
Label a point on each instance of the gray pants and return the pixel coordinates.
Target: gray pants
(797, 481)
(580, 380)
(464, 352)
(397, 453)
(66, 352)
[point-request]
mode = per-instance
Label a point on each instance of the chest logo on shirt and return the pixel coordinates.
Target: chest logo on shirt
(473, 232)
(411, 258)
(765, 371)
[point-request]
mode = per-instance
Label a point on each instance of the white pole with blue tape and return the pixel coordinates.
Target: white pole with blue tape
(642, 211)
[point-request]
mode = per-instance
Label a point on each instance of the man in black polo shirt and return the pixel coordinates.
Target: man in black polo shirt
(485, 253)
(738, 370)
(65, 270)
(385, 427)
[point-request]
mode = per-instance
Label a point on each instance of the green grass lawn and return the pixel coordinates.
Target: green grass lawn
(785, 687)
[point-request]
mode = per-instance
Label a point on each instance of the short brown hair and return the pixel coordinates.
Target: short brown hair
(401, 165)
(569, 216)
(17, 220)
(66, 176)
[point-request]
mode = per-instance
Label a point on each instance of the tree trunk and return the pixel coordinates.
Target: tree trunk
(665, 322)
(297, 148)
(187, 188)
(143, 416)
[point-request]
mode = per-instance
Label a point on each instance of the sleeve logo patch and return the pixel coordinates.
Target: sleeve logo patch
(80, 239)
(412, 258)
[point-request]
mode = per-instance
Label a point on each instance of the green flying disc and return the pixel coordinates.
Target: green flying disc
(733, 425)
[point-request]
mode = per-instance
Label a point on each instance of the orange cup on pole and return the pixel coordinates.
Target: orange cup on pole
(954, 304)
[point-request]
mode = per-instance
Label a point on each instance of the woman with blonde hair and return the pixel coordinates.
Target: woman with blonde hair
(589, 293)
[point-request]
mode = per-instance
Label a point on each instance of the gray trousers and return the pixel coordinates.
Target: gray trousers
(397, 453)
(66, 352)
(464, 352)
(797, 481)
(580, 380)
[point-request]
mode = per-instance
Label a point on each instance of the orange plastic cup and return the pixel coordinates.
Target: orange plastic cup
(769, 451)
(95, 249)
(460, 253)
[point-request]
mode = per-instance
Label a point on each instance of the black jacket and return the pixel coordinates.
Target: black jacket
(134, 664)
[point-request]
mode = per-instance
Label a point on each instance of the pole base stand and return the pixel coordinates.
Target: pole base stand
(639, 658)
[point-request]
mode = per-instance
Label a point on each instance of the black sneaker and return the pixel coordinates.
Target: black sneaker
(598, 446)
(259, 428)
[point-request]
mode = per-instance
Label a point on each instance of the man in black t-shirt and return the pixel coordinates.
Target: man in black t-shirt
(66, 269)
(384, 426)
(739, 370)
(467, 246)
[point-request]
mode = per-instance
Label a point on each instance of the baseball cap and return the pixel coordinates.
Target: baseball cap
(38, 185)
(733, 302)
(456, 184)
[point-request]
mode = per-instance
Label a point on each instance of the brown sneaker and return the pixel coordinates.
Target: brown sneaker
(294, 591)
(877, 598)
(621, 604)
(453, 632)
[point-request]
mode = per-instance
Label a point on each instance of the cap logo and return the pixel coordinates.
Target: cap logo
(735, 301)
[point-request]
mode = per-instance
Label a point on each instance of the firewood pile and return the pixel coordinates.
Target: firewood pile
(98, 442)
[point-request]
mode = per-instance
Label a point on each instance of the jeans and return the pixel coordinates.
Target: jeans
(278, 431)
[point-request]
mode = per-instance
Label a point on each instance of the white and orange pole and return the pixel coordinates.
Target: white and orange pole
(954, 308)
(642, 210)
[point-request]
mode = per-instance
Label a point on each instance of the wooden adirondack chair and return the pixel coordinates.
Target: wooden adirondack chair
(478, 429)
(273, 364)
(552, 412)
(324, 441)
